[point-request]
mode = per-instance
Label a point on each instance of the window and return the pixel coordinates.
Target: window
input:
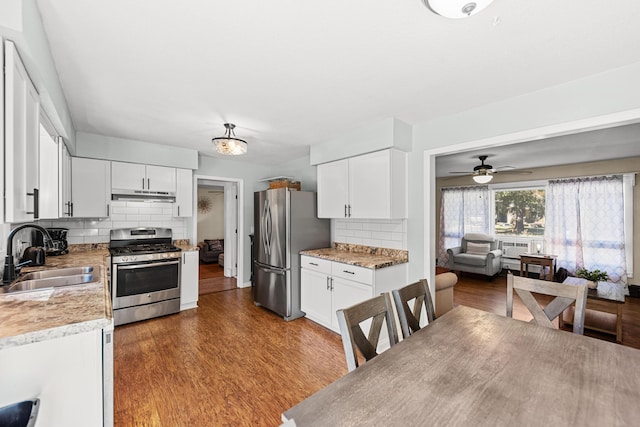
(519, 212)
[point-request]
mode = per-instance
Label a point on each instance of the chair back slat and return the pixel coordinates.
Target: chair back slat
(354, 340)
(410, 319)
(565, 294)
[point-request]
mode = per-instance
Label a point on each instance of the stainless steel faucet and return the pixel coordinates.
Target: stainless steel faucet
(11, 270)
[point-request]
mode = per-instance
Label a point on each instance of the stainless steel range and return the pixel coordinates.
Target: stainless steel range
(145, 274)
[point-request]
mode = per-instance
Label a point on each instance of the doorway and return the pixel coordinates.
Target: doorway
(216, 231)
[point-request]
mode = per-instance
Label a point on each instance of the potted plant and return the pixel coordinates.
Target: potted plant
(593, 277)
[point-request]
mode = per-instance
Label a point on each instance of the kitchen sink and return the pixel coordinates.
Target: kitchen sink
(57, 272)
(46, 279)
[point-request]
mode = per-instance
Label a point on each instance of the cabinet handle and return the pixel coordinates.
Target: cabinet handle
(348, 272)
(328, 278)
(332, 284)
(349, 211)
(143, 183)
(36, 207)
(148, 184)
(345, 211)
(107, 209)
(313, 263)
(178, 210)
(71, 206)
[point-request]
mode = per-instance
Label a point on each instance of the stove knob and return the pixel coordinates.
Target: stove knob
(133, 258)
(125, 259)
(165, 255)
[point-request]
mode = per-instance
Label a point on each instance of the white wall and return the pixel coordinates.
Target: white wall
(211, 224)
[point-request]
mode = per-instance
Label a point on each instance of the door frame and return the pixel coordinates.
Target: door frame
(239, 210)
(429, 167)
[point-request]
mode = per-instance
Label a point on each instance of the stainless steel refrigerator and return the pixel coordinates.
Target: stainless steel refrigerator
(285, 223)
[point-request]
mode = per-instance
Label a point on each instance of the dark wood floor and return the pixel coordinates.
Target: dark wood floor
(230, 363)
(211, 279)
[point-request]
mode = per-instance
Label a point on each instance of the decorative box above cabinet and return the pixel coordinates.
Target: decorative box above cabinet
(373, 185)
(134, 177)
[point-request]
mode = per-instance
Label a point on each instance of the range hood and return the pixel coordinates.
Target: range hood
(143, 196)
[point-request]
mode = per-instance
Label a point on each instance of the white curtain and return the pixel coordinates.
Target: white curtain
(462, 210)
(585, 224)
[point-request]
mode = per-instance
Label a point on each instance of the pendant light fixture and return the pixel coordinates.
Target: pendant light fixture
(456, 9)
(229, 144)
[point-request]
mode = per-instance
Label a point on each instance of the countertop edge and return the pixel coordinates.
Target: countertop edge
(347, 258)
(53, 333)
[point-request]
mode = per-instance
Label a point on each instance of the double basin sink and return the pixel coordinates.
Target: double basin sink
(54, 278)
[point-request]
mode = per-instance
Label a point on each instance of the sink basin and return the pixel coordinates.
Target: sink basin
(58, 272)
(46, 279)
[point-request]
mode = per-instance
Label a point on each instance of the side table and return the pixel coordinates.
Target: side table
(542, 260)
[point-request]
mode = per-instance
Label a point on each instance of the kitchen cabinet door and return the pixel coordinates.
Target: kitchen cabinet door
(345, 294)
(90, 188)
(315, 296)
(128, 176)
(333, 184)
(49, 173)
(183, 206)
(22, 115)
(64, 181)
(189, 280)
(369, 185)
(161, 178)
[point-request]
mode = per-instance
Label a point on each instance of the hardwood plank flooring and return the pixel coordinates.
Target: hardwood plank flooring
(226, 362)
(230, 363)
(212, 279)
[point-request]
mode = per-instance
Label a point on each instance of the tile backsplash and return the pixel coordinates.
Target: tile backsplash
(123, 215)
(382, 233)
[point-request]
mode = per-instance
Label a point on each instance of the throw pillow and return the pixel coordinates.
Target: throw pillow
(478, 248)
(215, 245)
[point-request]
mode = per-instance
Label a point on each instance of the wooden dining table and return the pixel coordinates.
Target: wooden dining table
(471, 367)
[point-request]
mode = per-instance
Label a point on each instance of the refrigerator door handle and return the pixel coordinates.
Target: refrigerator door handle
(272, 270)
(268, 228)
(263, 231)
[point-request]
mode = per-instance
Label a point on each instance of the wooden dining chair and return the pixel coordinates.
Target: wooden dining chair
(565, 296)
(410, 319)
(379, 310)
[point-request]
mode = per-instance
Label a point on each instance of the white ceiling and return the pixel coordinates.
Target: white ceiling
(292, 73)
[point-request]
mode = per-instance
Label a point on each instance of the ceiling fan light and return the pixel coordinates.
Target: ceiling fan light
(456, 9)
(482, 179)
(229, 144)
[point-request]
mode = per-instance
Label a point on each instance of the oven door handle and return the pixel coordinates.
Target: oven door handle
(153, 264)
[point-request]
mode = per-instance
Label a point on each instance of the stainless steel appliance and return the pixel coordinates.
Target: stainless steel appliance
(285, 223)
(145, 274)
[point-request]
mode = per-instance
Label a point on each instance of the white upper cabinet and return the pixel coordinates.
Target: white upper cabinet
(90, 188)
(333, 189)
(49, 175)
(183, 207)
(22, 115)
(64, 181)
(134, 177)
(373, 185)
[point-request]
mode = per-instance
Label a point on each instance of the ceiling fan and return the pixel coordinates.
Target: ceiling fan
(483, 173)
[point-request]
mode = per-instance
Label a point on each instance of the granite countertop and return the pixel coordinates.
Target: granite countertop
(35, 316)
(362, 256)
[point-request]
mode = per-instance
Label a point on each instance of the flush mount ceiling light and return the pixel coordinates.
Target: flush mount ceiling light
(482, 176)
(456, 9)
(229, 144)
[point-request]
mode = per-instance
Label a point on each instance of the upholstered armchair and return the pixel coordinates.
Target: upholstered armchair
(210, 250)
(477, 253)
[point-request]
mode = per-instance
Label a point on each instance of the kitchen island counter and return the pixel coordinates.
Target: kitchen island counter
(29, 317)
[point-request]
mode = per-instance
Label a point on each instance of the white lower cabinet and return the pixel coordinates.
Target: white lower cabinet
(189, 280)
(327, 286)
(65, 373)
